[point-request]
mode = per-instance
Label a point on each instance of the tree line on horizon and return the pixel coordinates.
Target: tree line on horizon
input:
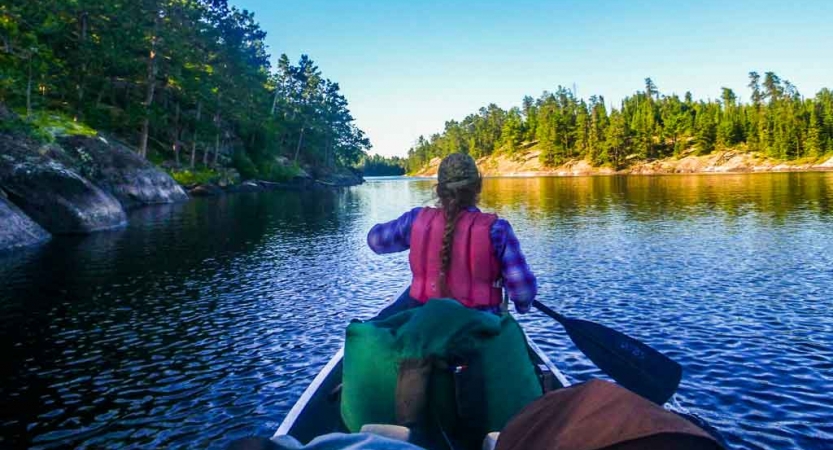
(185, 80)
(382, 166)
(778, 122)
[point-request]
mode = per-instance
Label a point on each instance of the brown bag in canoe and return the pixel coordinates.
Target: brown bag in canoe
(598, 415)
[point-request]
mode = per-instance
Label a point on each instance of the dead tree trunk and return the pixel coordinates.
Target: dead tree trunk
(83, 75)
(151, 85)
(100, 96)
(177, 132)
(275, 102)
(300, 142)
(217, 136)
(216, 149)
(194, 141)
(29, 89)
(205, 153)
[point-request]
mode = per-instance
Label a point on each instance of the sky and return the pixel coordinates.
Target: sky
(406, 67)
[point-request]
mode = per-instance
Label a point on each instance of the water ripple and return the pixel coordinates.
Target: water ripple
(203, 322)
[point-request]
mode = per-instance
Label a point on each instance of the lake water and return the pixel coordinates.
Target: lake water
(204, 321)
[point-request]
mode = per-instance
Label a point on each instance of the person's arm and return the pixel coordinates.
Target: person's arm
(518, 280)
(393, 236)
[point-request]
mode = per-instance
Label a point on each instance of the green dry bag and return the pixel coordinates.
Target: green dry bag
(477, 365)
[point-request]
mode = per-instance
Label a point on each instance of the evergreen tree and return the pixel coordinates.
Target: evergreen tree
(648, 125)
(596, 135)
(730, 131)
(616, 139)
(176, 78)
(512, 132)
(815, 140)
(705, 127)
(530, 113)
(581, 132)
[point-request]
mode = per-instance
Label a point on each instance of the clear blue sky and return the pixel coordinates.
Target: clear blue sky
(408, 66)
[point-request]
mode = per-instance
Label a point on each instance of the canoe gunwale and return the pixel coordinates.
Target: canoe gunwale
(302, 402)
(300, 406)
(547, 361)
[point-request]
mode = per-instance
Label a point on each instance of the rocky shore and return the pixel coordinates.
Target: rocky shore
(74, 185)
(303, 182)
(527, 164)
(83, 183)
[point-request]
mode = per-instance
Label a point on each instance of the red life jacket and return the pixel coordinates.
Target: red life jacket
(474, 267)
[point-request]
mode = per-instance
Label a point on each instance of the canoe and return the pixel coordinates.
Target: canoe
(317, 411)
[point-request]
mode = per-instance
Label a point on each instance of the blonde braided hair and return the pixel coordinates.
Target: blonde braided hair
(458, 187)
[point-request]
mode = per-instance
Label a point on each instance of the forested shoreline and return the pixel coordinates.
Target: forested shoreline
(187, 82)
(378, 166)
(778, 123)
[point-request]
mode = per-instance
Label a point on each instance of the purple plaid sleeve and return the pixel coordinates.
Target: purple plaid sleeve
(393, 236)
(518, 279)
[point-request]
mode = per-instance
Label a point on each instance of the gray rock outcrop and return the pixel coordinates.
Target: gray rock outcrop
(59, 199)
(75, 184)
(121, 172)
(18, 230)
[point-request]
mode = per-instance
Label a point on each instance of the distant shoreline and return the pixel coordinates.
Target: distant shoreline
(528, 165)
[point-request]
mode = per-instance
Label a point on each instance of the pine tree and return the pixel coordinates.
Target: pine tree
(530, 113)
(814, 144)
(616, 139)
(598, 124)
(729, 131)
(825, 101)
(705, 127)
(753, 121)
(649, 125)
(581, 132)
(546, 130)
(512, 132)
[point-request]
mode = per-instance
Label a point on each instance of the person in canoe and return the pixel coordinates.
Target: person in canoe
(457, 251)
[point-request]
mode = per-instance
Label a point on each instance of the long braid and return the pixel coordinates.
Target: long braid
(452, 213)
(458, 187)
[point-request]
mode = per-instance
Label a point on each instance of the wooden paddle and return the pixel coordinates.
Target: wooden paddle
(630, 362)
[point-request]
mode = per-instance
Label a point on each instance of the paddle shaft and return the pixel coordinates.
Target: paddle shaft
(546, 310)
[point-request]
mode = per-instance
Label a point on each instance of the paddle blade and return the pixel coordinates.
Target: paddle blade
(630, 362)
